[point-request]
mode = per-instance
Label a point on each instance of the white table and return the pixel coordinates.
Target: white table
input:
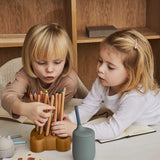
(145, 147)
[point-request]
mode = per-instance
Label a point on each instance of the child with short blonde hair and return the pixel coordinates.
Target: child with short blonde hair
(48, 60)
(125, 84)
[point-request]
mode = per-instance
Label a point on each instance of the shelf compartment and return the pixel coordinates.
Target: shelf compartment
(11, 40)
(148, 33)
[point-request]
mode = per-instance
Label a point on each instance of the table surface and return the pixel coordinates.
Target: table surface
(144, 147)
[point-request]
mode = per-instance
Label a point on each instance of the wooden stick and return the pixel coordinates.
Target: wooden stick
(56, 107)
(64, 90)
(31, 97)
(41, 92)
(48, 101)
(59, 106)
(62, 105)
(49, 119)
(45, 101)
(39, 99)
(35, 96)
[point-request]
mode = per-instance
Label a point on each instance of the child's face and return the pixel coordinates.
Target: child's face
(110, 68)
(48, 70)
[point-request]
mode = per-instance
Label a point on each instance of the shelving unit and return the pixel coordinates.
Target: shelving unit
(17, 16)
(139, 14)
(148, 33)
(16, 40)
(11, 40)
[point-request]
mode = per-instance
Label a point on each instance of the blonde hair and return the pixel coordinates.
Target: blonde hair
(44, 40)
(137, 58)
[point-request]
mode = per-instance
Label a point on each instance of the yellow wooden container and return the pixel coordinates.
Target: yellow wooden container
(40, 142)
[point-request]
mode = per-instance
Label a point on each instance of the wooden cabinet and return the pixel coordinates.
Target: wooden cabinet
(17, 16)
(140, 14)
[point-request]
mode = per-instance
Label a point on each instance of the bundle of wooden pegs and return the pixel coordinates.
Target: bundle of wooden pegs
(41, 137)
(57, 101)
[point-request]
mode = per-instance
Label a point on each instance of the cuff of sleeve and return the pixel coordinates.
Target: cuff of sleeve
(16, 116)
(72, 117)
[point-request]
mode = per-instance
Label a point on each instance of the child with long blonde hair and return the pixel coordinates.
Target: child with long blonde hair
(125, 84)
(48, 60)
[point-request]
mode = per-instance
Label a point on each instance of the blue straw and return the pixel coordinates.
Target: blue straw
(77, 115)
(19, 142)
(16, 136)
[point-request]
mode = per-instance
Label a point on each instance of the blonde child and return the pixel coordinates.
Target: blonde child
(125, 84)
(47, 56)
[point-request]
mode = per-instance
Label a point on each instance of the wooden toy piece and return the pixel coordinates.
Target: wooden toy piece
(31, 97)
(35, 96)
(44, 140)
(59, 106)
(45, 101)
(40, 142)
(38, 99)
(49, 120)
(56, 109)
(63, 144)
(62, 105)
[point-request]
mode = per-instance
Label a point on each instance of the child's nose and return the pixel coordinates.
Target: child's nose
(101, 69)
(50, 68)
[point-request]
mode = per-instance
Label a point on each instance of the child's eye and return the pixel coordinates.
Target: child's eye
(111, 68)
(100, 61)
(58, 62)
(41, 63)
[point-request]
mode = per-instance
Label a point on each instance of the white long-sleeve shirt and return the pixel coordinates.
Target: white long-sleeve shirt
(132, 107)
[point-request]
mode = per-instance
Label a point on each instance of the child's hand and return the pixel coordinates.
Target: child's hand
(37, 112)
(63, 128)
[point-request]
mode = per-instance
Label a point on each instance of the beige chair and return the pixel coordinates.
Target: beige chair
(8, 70)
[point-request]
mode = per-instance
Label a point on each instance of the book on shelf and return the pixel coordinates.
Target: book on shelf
(100, 31)
(131, 131)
